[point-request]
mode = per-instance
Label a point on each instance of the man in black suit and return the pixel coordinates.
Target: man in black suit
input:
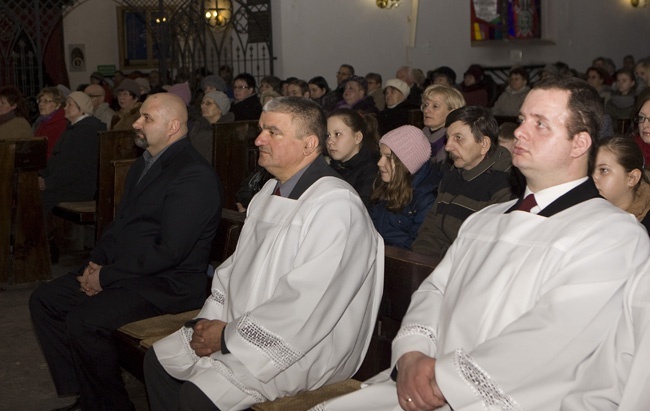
(150, 261)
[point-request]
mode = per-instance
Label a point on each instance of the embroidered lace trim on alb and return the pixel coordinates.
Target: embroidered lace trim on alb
(227, 373)
(218, 296)
(411, 329)
(481, 383)
(273, 347)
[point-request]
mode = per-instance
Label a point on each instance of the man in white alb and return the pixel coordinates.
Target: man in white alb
(294, 307)
(521, 299)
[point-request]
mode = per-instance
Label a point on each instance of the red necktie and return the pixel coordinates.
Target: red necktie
(528, 203)
(277, 191)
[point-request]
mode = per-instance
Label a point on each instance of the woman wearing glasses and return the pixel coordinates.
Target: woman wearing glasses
(51, 122)
(247, 104)
(437, 102)
(642, 119)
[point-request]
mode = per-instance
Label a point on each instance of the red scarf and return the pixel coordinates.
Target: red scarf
(645, 148)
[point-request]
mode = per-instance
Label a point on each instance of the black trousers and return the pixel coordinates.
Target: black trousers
(76, 334)
(166, 393)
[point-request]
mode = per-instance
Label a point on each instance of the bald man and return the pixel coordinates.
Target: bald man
(150, 261)
(101, 109)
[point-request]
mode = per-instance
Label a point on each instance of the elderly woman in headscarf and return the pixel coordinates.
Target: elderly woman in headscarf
(215, 108)
(12, 114)
(71, 172)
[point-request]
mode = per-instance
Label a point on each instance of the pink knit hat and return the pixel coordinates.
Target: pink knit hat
(182, 90)
(410, 145)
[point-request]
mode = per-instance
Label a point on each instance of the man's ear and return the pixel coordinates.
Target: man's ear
(174, 126)
(310, 144)
(581, 144)
(486, 143)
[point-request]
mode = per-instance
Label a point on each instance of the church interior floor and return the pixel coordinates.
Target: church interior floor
(26, 383)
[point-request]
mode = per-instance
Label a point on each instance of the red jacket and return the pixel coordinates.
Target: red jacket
(52, 129)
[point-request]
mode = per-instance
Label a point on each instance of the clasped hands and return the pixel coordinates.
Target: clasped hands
(417, 388)
(206, 338)
(89, 280)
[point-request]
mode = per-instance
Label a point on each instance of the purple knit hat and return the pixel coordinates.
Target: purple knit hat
(410, 145)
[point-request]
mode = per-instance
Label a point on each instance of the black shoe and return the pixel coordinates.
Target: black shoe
(76, 406)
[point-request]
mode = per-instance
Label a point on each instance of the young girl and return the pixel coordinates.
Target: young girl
(406, 187)
(352, 146)
(620, 177)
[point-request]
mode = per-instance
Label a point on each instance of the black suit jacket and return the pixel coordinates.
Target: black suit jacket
(159, 243)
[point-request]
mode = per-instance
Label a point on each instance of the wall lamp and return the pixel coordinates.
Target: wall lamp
(218, 13)
(389, 4)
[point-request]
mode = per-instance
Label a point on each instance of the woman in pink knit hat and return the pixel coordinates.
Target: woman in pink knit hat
(406, 187)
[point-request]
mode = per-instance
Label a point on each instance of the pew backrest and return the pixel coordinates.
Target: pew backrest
(234, 155)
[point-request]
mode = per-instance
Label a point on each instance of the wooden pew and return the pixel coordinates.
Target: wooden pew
(113, 145)
(234, 155)
(24, 253)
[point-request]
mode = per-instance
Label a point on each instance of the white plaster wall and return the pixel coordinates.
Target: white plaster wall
(94, 24)
(313, 37)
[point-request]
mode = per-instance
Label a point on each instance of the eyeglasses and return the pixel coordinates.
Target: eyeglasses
(44, 101)
(240, 87)
(95, 95)
(343, 73)
(641, 119)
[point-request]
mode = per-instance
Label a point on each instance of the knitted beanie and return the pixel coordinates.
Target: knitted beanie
(213, 81)
(183, 91)
(83, 101)
(221, 99)
(410, 145)
(399, 85)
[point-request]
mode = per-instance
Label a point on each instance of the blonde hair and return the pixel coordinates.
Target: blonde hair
(451, 96)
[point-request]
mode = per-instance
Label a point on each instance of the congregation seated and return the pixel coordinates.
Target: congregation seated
(246, 105)
(270, 83)
(320, 93)
(101, 108)
(621, 178)
(437, 102)
(345, 72)
(376, 90)
(641, 119)
(396, 112)
(408, 76)
(620, 104)
(13, 123)
(444, 76)
(479, 176)
(128, 95)
(71, 171)
(406, 187)
(509, 102)
(215, 109)
(352, 144)
(298, 88)
(596, 77)
(51, 122)
(355, 96)
(474, 88)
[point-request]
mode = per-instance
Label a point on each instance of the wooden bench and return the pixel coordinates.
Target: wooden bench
(24, 253)
(404, 272)
(113, 146)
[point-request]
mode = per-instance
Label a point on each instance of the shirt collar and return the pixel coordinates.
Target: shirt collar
(548, 195)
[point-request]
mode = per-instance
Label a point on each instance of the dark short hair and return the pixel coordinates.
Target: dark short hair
(349, 67)
(628, 154)
(319, 81)
(248, 78)
(304, 87)
(520, 71)
(307, 116)
(586, 111)
(14, 96)
(274, 82)
(359, 80)
(375, 77)
(480, 121)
